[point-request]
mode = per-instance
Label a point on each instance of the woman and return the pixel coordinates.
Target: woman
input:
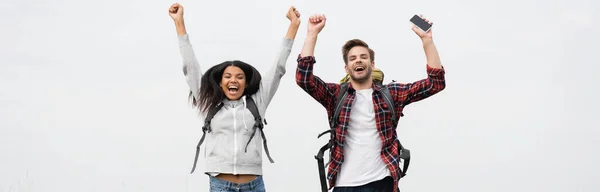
(232, 151)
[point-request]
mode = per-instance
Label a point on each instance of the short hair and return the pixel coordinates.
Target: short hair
(353, 43)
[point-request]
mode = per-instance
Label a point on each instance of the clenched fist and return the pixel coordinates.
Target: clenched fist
(316, 23)
(293, 15)
(176, 12)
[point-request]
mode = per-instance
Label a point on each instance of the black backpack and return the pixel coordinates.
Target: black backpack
(250, 105)
(342, 94)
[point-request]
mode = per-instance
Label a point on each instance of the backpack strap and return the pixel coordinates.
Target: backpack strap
(389, 100)
(321, 165)
(342, 94)
(206, 128)
(339, 104)
(258, 123)
(403, 152)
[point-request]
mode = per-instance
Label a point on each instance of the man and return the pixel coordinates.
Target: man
(364, 155)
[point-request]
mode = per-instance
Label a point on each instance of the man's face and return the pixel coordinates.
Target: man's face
(359, 64)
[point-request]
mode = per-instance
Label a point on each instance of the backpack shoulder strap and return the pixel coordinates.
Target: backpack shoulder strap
(258, 123)
(342, 94)
(211, 113)
(389, 100)
(206, 128)
(403, 152)
(251, 105)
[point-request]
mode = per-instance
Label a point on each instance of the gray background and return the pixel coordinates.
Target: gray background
(93, 97)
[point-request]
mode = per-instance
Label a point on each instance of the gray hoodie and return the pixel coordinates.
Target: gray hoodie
(232, 125)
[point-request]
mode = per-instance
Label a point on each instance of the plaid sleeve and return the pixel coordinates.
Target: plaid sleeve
(406, 93)
(323, 92)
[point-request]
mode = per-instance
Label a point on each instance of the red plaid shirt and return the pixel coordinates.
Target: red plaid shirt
(403, 94)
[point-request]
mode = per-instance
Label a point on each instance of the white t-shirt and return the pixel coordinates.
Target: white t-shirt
(362, 159)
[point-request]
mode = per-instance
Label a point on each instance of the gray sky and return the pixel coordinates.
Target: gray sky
(93, 97)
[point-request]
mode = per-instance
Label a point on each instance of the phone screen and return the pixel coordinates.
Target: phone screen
(420, 23)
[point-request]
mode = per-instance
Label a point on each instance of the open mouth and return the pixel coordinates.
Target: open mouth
(359, 68)
(233, 89)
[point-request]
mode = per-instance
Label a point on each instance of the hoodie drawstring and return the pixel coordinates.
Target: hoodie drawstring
(244, 114)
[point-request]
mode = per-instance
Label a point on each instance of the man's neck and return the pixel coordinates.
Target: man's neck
(360, 86)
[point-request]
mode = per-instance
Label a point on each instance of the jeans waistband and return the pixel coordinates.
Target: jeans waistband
(216, 182)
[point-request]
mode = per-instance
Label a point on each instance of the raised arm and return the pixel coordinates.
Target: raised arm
(191, 68)
(323, 92)
(271, 79)
(435, 81)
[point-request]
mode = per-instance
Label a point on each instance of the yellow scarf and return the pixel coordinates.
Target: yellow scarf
(377, 75)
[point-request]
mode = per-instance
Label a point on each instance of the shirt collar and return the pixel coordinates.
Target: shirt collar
(376, 87)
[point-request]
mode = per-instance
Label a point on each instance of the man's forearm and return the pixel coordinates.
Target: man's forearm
(433, 58)
(292, 29)
(309, 45)
(180, 27)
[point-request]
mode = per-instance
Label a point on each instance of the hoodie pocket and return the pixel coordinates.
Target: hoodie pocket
(210, 147)
(252, 156)
(218, 151)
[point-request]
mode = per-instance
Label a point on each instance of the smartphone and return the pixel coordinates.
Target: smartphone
(420, 23)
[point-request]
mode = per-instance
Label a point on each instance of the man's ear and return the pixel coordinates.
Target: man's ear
(373, 64)
(346, 68)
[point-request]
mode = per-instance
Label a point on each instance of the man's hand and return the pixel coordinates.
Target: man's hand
(293, 15)
(431, 53)
(420, 32)
(316, 24)
(176, 12)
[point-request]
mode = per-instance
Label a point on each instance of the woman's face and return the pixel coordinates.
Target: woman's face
(233, 82)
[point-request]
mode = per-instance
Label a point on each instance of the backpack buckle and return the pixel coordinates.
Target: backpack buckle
(258, 123)
(206, 128)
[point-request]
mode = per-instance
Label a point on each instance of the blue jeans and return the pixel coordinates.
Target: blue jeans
(384, 185)
(219, 185)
